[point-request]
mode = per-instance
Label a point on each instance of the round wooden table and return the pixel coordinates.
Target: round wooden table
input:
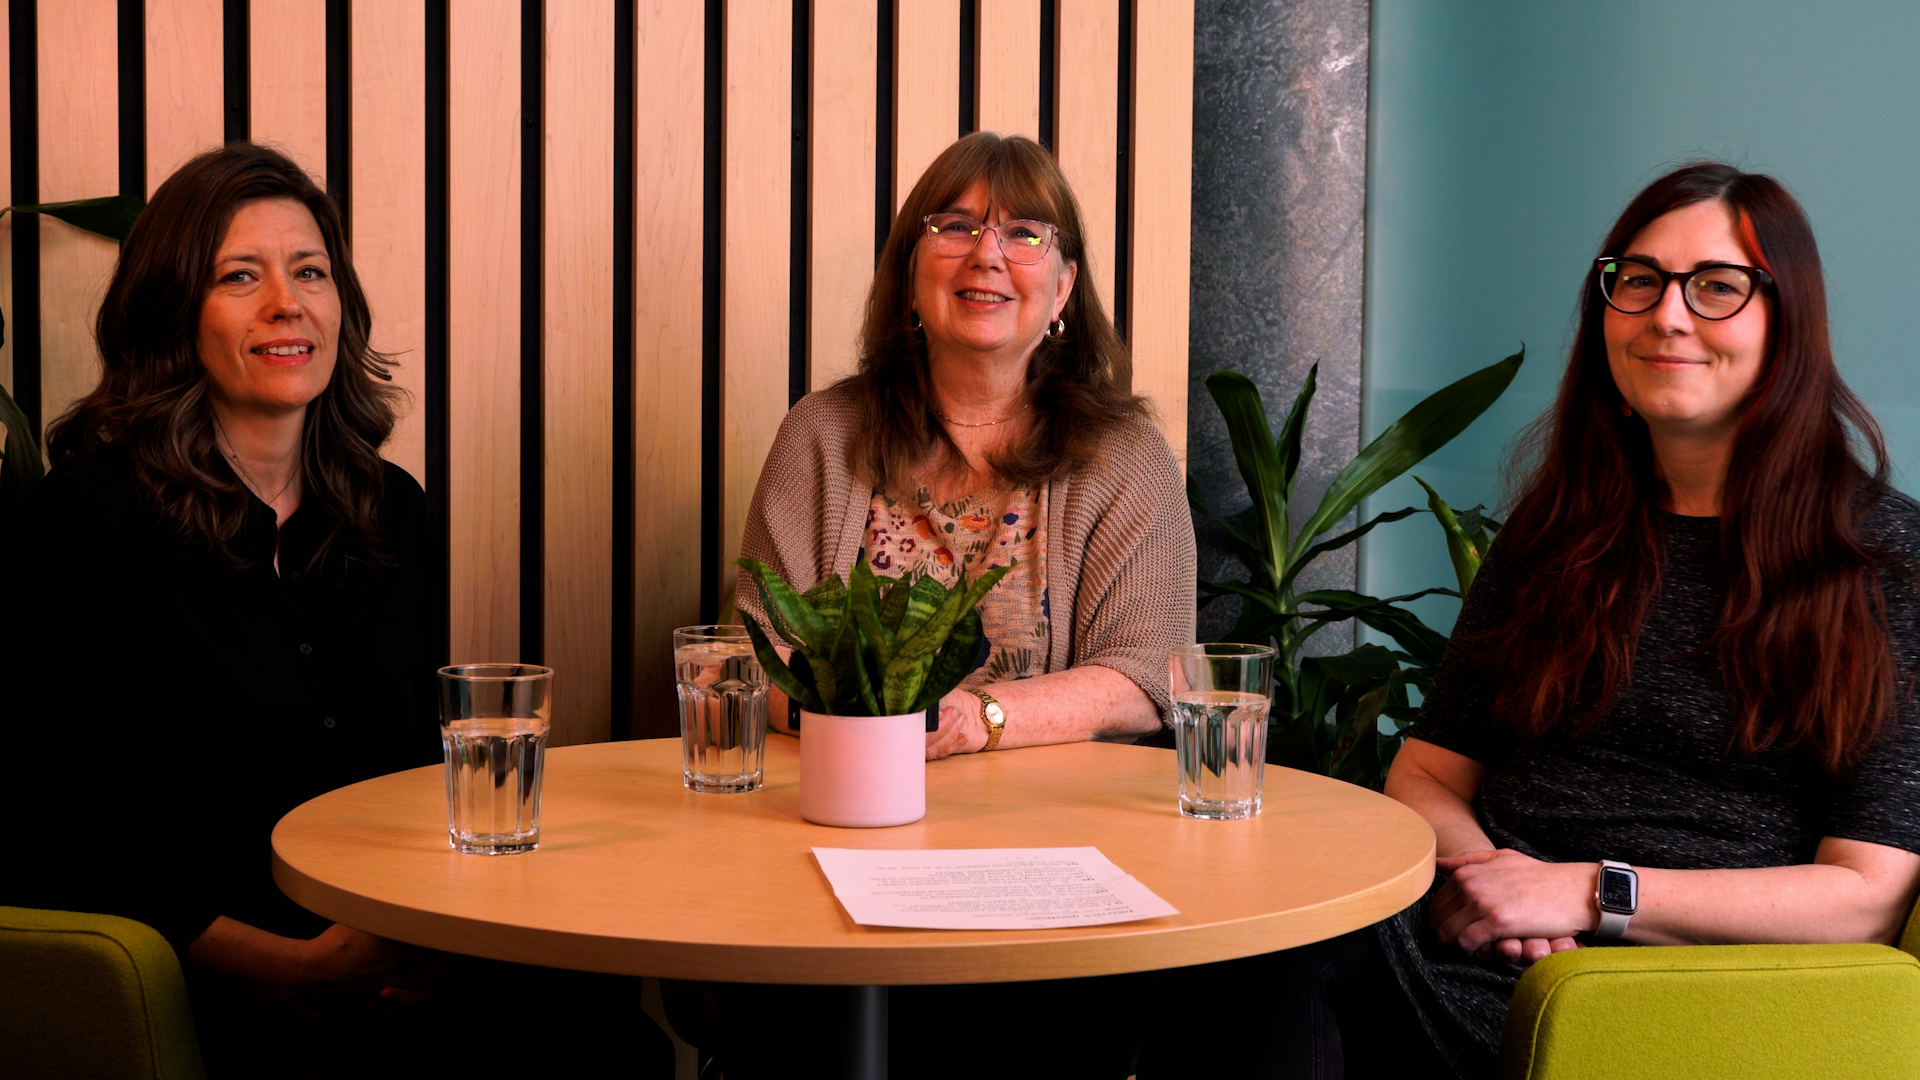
(637, 875)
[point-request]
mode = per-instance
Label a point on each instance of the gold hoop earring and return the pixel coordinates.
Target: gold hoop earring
(1057, 330)
(913, 321)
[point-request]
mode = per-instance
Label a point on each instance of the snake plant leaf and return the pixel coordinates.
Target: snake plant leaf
(808, 626)
(893, 602)
(864, 596)
(923, 599)
(863, 680)
(111, 216)
(828, 597)
(1466, 555)
(1343, 540)
(1259, 460)
(1425, 428)
(777, 671)
(907, 673)
(955, 662)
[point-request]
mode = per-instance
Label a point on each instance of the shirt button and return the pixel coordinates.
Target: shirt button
(305, 649)
(328, 721)
(296, 575)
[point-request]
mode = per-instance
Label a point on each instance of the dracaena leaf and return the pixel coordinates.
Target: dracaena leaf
(1261, 466)
(111, 216)
(1425, 428)
(1466, 555)
(1343, 540)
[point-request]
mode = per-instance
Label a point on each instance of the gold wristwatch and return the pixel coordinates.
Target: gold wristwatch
(994, 716)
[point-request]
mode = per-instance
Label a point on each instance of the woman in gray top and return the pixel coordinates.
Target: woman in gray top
(1690, 652)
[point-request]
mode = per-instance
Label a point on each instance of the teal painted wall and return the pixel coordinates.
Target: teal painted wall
(1493, 146)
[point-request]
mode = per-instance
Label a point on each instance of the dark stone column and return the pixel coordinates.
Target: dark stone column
(1279, 236)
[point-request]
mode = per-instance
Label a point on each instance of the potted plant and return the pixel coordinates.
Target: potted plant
(872, 657)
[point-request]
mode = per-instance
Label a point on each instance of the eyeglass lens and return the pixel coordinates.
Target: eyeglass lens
(1022, 241)
(1715, 292)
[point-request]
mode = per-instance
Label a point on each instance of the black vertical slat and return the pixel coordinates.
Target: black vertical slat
(883, 129)
(133, 98)
(1123, 174)
(623, 464)
(532, 418)
(969, 66)
(801, 231)
(340, 107)
(1049, 69)
(434, 350)
(23, 321)
(712, 211)
(238, 70)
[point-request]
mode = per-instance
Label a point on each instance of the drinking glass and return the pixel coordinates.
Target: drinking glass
(723, 709)
(494, 720)
(1221, 694)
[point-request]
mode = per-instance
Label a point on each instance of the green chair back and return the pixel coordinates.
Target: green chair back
(93, 996)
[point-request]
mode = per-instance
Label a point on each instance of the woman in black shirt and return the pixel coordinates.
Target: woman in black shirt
(229, 591)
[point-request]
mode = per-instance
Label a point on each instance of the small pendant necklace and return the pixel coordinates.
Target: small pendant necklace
(233, 459)
(988, 423)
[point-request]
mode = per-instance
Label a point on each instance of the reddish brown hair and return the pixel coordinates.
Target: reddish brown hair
(1803, 643)
(1078, 381)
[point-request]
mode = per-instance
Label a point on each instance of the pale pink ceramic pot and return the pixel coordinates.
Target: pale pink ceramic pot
(863, 772)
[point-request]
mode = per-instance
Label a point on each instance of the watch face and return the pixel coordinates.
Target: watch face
(1617, 890)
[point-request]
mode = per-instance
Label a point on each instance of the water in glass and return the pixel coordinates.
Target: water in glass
(493, 783)
(1220, 737)
(723, 715)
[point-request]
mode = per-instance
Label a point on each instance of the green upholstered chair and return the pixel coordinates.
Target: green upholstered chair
(1704, 1012)
(92, 996)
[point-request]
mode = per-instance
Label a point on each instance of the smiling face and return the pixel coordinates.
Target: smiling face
(981, 302)
(1684, 374)
(269, 326)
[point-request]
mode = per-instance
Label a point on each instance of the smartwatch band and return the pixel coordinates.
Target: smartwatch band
(1617, 898)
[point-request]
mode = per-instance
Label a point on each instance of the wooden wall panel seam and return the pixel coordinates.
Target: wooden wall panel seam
(926, 88)
(289, 94)
(183, 103)
(841, 158)
(1162, 209)
(1008, 83)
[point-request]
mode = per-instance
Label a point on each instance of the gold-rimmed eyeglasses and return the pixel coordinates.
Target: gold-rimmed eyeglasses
(1022, 241)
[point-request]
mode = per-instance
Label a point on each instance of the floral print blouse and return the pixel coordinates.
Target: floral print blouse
(976, 533)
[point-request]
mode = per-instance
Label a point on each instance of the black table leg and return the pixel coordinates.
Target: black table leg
(863, 1033)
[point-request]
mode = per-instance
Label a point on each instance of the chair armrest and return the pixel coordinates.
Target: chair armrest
(1710, 1011)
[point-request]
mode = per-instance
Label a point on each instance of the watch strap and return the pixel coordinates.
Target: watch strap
(993, 715)
(1613, 921)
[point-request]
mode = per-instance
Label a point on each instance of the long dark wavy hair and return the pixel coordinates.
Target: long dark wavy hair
(153, 395)
(1803, 643)
(1077, 382)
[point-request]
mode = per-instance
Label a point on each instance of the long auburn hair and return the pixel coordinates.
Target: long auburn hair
(1802, 643)
(153, 394)
(1077, 382)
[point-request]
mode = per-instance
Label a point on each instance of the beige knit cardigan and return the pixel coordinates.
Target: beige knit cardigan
(1119, 538)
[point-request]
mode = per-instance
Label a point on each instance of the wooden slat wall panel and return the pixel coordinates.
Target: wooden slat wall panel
(840, 186)
(668, 239)
(1087, 126)
(79, 158)
(289, 76)
(483, 340)
(1162, 195)
(1007, 97)
(926, 87)
(6, 199)
(577, 376)
(183, 84)
(758, 98)
(388, 103)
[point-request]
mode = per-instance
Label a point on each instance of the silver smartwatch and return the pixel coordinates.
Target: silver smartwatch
(1617, 894)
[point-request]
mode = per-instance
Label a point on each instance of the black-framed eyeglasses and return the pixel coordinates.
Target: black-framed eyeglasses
(1714, 292)
(1022, 241)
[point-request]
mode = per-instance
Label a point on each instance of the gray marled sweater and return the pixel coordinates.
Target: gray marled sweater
(1653, 782)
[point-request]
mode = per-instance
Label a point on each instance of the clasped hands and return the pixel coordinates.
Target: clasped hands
(1502, 904)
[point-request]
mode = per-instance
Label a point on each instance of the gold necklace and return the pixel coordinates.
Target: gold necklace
(989, 423)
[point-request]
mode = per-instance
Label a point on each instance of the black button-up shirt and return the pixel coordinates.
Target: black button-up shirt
(175, 708)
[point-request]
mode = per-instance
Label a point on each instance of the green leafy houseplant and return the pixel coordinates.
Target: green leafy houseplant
(869, 646)
(20, 464)
(1327, 709)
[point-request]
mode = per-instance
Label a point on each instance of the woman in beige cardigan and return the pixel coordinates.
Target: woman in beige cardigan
(988, 423)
